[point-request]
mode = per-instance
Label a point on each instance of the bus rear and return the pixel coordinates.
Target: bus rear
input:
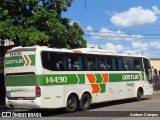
(20, 78)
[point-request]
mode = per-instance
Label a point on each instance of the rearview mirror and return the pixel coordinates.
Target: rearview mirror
(149, 74)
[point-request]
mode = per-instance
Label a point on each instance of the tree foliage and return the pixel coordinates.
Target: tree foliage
(40, 22)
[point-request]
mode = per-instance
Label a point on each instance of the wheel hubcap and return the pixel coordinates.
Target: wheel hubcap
(71, 103)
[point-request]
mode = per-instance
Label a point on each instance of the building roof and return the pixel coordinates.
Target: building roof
(7, 42)
(154, 58)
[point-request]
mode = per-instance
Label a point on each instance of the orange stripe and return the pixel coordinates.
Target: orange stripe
(95, 88)
(140, 76)
(25, 56)
(76, 51)
(91, 78)
(105, 78)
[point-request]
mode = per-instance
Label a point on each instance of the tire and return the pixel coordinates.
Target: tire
(139, 95)
(72, 103)
(85, 102)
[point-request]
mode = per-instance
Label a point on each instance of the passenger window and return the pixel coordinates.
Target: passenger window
(127, 63)
(102, 64)
(84, 63)
(91, 62)
(59, 65)
(53, 61)
(74, 62)
(114, 67)
(61, 61)
(109, 63)
(137, 64)
(119, 64)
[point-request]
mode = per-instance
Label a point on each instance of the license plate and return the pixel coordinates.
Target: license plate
(20, 98)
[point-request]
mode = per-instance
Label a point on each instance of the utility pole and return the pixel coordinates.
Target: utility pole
(85, 3)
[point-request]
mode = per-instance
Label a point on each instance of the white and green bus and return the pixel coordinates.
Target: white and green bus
(41, 77)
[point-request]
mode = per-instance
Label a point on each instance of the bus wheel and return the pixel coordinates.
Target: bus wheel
(85, 102)
(71, 104)
(139, 94)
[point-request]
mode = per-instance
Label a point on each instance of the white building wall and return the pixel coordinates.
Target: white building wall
(156, 64)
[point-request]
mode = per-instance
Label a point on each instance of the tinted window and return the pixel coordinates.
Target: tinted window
(109, 63)
(137, 64)
(74, 62)
(53, 61)
(119, 63)
(77, 62)
(127, 63)
(102, 64)
(92, 63)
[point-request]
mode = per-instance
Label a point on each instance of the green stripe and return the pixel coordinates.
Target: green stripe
(20, 80)
(99, 78)
(60, 79)
(66, 79)
(32, 58)
(81, 78)
(103, 88)
(43, 80)
(124, 77)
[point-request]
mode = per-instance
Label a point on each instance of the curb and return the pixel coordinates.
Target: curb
(157, 91)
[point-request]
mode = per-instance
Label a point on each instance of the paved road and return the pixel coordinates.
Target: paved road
(115, 110)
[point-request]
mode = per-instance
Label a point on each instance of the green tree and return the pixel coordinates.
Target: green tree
(40, 22)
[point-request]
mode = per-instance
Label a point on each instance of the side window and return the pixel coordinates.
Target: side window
(46, 60)
(137, 64)
(84, 63)
(74, 62)
(119, 63)
(91, 63)
(114, 67)
(102, 64)
(61, 62)
(109, 63)
(53, 61)
(127, 63)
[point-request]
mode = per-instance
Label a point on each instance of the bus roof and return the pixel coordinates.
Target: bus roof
(95, 51)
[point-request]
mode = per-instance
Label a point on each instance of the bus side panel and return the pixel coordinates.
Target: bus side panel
(53, 96)
(121, 90)
(114, 91)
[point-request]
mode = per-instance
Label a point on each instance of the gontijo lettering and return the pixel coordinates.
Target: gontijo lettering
(18, 61)
(130, 77)
(14, 61)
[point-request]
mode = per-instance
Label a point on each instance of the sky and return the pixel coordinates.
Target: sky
(123, 26)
